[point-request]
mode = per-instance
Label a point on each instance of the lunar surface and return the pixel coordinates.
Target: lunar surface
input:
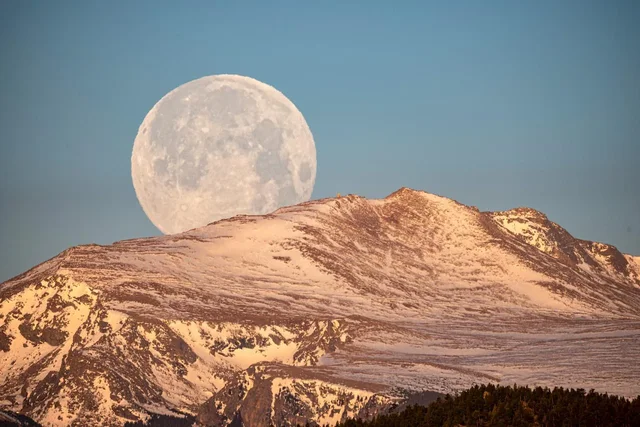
(220, 146)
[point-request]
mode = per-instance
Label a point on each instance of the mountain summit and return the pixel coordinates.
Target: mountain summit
(331, 308)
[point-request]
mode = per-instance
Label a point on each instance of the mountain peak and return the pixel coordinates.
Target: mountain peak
(523, 212)
(315, 312)
(403, 191)
(406, 192)
(535, 228)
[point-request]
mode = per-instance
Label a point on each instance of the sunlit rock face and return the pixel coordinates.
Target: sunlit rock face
(321, 311)
(221, 146)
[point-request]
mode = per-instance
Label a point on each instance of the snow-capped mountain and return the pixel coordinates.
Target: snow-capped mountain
(328, 309)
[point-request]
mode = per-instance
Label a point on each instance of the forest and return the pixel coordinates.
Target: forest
(495, 405)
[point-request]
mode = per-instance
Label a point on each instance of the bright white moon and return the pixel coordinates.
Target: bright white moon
(220, 146)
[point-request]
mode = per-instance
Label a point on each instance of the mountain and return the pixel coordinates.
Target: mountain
(328, 309)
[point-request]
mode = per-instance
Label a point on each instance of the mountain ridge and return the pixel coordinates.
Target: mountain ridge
(316, 312)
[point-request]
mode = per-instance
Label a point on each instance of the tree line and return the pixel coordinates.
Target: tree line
(495, 405)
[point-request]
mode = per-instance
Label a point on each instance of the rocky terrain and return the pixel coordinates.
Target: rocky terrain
(320, 311)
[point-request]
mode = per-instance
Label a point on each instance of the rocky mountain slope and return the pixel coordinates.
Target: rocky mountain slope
(328, 309)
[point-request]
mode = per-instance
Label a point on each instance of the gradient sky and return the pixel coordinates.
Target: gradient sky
(496, 104)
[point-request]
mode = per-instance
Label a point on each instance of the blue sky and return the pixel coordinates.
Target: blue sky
(496, 104)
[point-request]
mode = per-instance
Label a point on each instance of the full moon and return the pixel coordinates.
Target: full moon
(220, 146)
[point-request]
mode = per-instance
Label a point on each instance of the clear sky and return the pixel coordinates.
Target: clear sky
(496, 104)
